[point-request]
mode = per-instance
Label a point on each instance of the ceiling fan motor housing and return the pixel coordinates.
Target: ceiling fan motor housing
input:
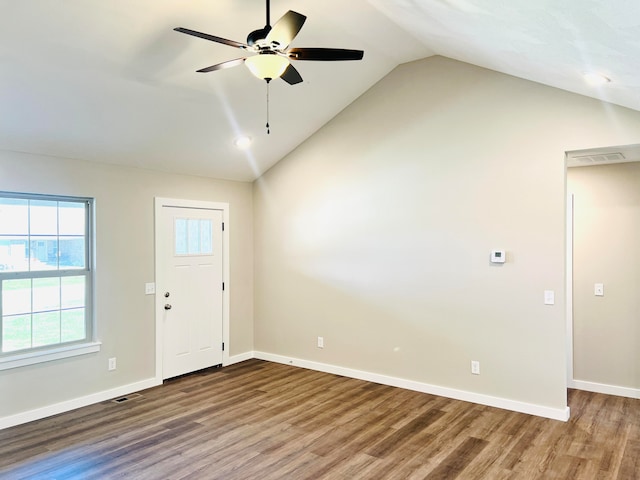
(257, 35)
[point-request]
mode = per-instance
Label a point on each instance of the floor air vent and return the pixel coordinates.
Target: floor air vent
(126, 398)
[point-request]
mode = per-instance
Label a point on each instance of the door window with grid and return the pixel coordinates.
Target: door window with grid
(45, 273)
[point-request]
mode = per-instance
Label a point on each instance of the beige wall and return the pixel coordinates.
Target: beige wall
(376, 232)
(125, 261)
(606, 250)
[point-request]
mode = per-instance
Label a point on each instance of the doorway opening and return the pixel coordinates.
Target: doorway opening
(603, 270)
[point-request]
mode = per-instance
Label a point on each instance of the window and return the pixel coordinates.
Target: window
(193, 236)
(45, 277)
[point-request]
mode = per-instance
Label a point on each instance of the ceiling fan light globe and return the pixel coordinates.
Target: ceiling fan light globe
(267, 65)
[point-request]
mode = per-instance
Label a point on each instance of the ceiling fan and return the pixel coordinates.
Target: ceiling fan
(271, 48)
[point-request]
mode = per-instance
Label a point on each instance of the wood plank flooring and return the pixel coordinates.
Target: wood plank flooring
(260, 420)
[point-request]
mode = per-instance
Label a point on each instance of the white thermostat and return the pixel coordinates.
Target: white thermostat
(498, 256)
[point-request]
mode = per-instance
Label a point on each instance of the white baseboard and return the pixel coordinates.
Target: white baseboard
(522, 407)
(604, 388)
(239, 358)
(513, 405)
(49, 410)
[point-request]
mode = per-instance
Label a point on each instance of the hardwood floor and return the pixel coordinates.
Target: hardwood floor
(260, 420)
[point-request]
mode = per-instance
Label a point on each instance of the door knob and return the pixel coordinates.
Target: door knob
(167, 307)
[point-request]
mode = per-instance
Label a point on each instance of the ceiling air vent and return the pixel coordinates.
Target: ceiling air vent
(603, 158)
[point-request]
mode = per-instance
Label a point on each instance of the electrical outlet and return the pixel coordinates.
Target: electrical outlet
(475, 367)
(112, 363)
(549, 297)
(320, 342)
(598, 290)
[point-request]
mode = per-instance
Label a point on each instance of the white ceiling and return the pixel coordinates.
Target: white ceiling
(110, 80)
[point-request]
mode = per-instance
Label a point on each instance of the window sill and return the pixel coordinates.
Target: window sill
(31, 358)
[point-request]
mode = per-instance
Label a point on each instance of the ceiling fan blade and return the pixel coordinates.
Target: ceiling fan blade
(324, 54)
(285, 29)
(291, 75)
(220, 66)
(213, 38)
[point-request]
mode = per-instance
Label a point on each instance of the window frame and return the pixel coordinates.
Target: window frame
(89, 344)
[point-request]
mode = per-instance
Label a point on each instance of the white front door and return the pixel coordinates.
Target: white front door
(189, 288)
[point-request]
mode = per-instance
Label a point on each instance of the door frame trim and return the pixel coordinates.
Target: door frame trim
(161, 202)
(569, 286)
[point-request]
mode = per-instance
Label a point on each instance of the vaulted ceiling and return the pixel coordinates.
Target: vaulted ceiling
(110, 81)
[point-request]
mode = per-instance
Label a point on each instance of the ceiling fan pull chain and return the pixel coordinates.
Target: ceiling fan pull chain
(268, 130)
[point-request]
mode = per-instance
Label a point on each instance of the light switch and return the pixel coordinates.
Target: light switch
(599, 289)
(149, 288)
(549, 297)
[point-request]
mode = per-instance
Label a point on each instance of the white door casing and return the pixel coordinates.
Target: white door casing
(192, 322)
(569, 288)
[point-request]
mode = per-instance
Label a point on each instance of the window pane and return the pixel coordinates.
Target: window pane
(193, 228)
(46, 294)
(46, 328)
(73, 325)
(206, 233)
(73, 292)
(193, 236)
(14, 216)
(72, 218)
(44, 253)
(181, 236)
(14, 254)
(45, 234)
(43, 217)
(16, 333)
(16, 296)
(72, 253)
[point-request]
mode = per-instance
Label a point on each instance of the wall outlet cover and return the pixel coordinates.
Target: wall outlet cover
(475, 367)
(599, 289)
